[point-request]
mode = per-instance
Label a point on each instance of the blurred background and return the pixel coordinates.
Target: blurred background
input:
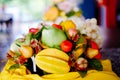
(17, 16)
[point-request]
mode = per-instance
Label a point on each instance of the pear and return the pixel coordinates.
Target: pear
(52, 37)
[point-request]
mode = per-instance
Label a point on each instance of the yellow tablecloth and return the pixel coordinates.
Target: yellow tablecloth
(23, 74)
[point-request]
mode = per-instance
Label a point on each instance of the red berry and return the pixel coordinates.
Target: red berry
(66, 46)
(33, 30)
(57, 26)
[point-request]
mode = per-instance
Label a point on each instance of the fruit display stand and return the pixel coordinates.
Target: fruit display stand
(57, 52)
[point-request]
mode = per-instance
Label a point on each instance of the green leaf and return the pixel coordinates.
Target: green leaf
(71, 13)
(95, 64)
(14, 66)
(82, 73)
(38, 35)
(28, 38)
(80, 40)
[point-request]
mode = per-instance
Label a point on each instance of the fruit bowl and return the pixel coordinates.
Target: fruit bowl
(56, 52)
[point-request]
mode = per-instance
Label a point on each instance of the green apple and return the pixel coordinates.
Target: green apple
(52, 37)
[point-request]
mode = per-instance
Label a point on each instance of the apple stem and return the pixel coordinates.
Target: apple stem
(34, 63)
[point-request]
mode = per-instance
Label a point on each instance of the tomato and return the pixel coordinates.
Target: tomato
(66, 46)
(57, 26)
(33, 30)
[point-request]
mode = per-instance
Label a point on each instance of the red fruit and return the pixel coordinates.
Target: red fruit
(98, 56)
(33, 30)
(66, 46)
(81, 64)
(57, 26)
(22, 59)
(94, 45)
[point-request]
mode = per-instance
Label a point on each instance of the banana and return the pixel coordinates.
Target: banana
(52, 61)
(66, 76)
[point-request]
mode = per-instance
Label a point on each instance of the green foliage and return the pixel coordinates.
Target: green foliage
(82, 73)
(15, 66)
(95, 64)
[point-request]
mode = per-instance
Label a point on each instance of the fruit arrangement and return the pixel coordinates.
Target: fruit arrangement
(56, 52)
(56, 49)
